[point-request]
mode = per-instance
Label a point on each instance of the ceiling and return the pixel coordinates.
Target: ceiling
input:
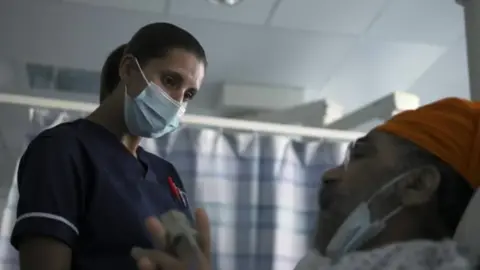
(349, 51)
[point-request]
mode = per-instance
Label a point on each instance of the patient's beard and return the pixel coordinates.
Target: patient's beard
(327, 226)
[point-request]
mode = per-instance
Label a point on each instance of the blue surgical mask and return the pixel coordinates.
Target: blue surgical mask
(359, 227)
(153, 113)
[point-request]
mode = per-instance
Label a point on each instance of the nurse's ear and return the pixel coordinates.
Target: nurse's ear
(419, 186)
(127, 67)
(131, 76)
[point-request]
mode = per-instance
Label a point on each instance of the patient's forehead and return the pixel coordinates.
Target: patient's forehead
(385, 146)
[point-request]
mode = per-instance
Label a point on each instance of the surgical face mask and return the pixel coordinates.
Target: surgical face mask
(153, 113)
(358, 227)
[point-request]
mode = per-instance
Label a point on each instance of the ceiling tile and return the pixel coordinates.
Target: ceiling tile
(448, 76)
(426, 21)
(275, 58)
(376, 69)
(335, 16)
(249, 12)
(157, 6)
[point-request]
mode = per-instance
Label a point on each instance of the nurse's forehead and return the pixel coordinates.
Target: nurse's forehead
(178, 58)
(189, 66)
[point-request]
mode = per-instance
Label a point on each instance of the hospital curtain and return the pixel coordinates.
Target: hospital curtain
(260, 191)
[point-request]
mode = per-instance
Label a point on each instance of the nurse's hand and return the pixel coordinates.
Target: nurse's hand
(150, 259)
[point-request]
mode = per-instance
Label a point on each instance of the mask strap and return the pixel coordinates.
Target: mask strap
(141, 71)
(383, 188)
(393, 213)
(182, 105)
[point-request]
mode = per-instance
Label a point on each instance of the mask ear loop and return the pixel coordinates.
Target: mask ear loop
(386, 186)
(376, 226)
(382, 189)
(182, 107)
(141, 71)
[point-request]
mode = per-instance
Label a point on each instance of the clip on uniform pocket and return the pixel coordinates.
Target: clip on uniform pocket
(177, 193)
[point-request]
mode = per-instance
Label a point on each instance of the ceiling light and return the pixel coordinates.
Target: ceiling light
(229, 3)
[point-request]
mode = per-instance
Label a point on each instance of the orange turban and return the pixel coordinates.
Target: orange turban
(449, 129)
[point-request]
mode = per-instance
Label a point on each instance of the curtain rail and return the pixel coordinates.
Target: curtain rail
(195, 120)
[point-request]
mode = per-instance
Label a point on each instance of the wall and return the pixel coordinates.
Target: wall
(43, 31)
(12, 142)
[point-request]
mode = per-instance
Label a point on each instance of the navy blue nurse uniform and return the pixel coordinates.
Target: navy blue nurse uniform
(78, 184)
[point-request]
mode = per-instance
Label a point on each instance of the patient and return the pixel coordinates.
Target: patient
(415, 174)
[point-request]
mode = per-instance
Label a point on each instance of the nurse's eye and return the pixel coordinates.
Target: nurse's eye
(172, 82)
(189, 94)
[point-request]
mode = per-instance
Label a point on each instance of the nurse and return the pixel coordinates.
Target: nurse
(86, 187)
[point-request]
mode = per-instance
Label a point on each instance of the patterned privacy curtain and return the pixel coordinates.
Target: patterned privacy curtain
(260, 191)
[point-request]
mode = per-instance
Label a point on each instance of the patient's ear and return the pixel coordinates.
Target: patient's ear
(419, 186)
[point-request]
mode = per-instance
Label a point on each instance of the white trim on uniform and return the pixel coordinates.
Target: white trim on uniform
(49, 216)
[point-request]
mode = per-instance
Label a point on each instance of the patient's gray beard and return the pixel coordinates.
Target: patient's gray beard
(323, 233)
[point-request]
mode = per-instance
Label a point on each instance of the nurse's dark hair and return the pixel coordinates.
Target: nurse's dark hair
(454, 192)
(109, 77)
(155, 40)
(152, 41)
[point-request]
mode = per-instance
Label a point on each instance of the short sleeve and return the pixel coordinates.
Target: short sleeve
(49, 186)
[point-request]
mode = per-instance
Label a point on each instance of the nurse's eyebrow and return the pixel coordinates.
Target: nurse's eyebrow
(181, 72)
(174, 74)
(178, 75)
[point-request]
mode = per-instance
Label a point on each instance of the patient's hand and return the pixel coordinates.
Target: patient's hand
(151, 259)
